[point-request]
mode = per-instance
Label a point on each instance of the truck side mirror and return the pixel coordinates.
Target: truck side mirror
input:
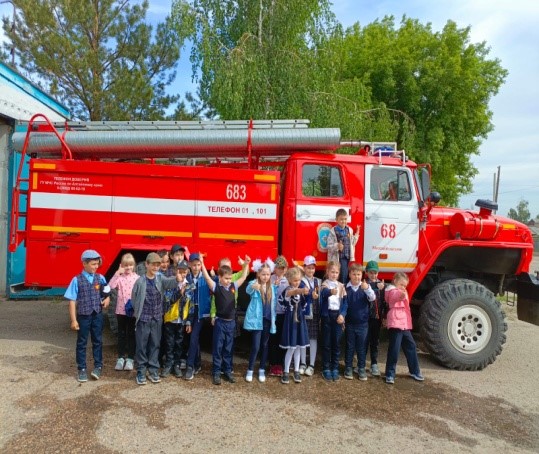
(434, 197)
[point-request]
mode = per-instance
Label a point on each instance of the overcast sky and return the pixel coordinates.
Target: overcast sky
(511, 29)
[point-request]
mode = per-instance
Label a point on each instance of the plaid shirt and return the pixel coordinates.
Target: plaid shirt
(343, 236)
(153, 306)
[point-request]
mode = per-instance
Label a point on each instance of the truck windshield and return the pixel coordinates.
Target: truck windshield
(390, 184)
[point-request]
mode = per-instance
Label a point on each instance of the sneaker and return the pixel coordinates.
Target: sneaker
(216, 379)
(183, 364)
(362, 374)
(154, 377)
(96, 373)
(348, 373)
(276, 371)
(141, 378)
(390, 380)
(229, 377)
(129, 363)
(302, 369)
(261, 375)
(297, 376)
(285, 378)
(327, 375)
(166, 372)
(417, 377)
(309, 371)
(120, 363)
(375, 372)
(189, 373)
(249, 376)
(356, 370)
(83, 376)
(197, 370)
(178, 373)
(335, 375)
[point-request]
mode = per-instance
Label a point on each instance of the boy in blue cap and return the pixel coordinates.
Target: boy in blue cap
(88, 296)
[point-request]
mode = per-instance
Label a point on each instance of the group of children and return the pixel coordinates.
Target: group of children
(161, 309)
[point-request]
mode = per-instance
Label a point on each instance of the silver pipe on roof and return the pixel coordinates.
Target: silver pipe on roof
(224, 143)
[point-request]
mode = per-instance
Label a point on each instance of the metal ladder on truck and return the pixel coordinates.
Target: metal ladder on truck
(17, 234)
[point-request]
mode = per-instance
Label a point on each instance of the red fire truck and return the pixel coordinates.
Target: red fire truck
(265, 188)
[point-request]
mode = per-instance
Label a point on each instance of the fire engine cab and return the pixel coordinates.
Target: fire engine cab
(262, 188)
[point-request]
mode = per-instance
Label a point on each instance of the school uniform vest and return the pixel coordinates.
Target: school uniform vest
(312, 308)
(88, 295)
(343, 236)
(358, 306)
(153, 305)
(225, 302)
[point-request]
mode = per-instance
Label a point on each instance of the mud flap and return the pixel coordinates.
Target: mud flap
(527, 290)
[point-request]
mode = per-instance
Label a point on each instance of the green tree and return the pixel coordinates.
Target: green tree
(255, 58)
(521, 213)
(189, 109)
(268, 59)
(98, 57)
(439, 81)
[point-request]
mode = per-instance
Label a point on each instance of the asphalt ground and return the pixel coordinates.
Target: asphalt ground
(44, 409)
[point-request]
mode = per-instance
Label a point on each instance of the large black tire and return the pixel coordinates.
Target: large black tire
(462, 325)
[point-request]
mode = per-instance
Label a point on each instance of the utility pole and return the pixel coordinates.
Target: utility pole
(12, 30)
(496, 186)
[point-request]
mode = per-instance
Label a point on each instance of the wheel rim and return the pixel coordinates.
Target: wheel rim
(469, 329)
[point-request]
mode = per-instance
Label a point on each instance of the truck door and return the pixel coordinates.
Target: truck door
(321, 191)
(391, 223)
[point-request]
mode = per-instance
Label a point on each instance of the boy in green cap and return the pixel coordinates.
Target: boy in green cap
(376, 315)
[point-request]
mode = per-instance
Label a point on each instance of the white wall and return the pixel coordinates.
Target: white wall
(5, 130)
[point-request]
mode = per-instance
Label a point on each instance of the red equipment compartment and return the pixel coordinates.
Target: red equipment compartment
(471, 226)
(68, 204)
(118, 207)
(54, 263)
